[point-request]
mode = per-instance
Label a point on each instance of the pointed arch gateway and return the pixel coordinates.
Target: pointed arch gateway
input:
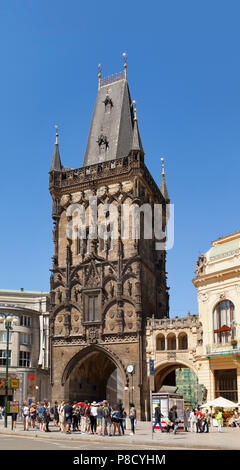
(94, 373)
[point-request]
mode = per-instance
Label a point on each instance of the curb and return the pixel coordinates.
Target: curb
(132, 443)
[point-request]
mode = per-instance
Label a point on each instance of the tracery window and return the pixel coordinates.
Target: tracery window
(93, 314)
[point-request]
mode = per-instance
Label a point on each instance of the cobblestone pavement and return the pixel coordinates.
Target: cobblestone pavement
(228, 439)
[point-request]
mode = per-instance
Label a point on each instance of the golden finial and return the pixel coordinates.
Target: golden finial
(163, 168)
(56, 127)
(135, 110)
(99, 75)
(125, 64)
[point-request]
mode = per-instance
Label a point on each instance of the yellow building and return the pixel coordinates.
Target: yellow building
(218, 288)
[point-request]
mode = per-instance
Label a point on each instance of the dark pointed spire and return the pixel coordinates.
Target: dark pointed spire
(112, 117)
(56, 161)
(163, 187)
(136, 140)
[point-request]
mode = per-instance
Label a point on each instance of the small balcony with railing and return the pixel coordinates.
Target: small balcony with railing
(223, 349)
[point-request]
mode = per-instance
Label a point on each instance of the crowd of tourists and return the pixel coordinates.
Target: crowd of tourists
(198, 420)
(83, 417)
(195, 420)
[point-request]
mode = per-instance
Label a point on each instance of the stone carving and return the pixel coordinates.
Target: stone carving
(93, 335)
(112, 289)
(203, 297)
(201, 265)
(59, 296)
(222, 296)
(65, 200)
(129, 289)
(76, 294)
(129, 313)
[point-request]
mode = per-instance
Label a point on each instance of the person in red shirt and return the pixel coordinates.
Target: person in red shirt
(200, 417)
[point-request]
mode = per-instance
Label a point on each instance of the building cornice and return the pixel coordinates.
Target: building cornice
(216, 276)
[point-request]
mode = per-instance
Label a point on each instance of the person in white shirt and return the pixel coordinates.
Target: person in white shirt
(193, 421)
(93, 417)
(25, 414)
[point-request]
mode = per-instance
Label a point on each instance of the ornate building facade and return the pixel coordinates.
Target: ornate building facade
(105, 285)
(218, 287)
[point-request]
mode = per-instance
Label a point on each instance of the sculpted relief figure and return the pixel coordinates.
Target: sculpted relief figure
(201, 264)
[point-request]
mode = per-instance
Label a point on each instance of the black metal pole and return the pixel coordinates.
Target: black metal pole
(6, 385)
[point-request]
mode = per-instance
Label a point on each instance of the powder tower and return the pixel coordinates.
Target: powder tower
(104, 284)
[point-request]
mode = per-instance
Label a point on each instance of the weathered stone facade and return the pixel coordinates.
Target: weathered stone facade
(103, 290)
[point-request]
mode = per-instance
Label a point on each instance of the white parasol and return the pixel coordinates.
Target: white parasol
(220, 402)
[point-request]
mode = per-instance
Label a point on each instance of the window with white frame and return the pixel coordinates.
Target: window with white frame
(3, 357)
(3, 336)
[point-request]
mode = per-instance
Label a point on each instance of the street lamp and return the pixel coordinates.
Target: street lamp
(9, 321)
(131, 371)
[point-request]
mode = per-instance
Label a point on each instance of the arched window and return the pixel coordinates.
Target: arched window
(223, 316)
(160, 342)
(171, 342)
(182, 341)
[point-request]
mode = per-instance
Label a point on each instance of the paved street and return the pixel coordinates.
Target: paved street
(33, 443)
(229, 439)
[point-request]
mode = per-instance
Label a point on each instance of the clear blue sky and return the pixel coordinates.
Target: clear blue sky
(183, 71)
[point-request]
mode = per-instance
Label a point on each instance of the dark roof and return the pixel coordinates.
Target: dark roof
(56, 161)
(111, 131)
(163, 189)
(136, 140)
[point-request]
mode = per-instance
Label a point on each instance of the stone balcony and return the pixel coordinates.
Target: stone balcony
(222, 349)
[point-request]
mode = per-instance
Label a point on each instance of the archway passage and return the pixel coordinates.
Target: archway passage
(182, 378)
(95, 378)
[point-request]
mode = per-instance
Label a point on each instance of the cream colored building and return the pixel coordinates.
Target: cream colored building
(218, 288)
(28, 343)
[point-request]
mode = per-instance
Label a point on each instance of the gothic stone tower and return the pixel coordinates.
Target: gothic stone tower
(103, 289)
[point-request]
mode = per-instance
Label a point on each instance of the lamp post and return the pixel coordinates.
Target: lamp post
(131, 371)
(9, 320)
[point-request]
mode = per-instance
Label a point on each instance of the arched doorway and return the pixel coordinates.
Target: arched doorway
(94, 374)
(180, 376)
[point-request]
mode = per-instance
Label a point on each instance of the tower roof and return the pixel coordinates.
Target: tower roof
(56, 160)
(112, 132)
(136, 139)
(163, 187)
